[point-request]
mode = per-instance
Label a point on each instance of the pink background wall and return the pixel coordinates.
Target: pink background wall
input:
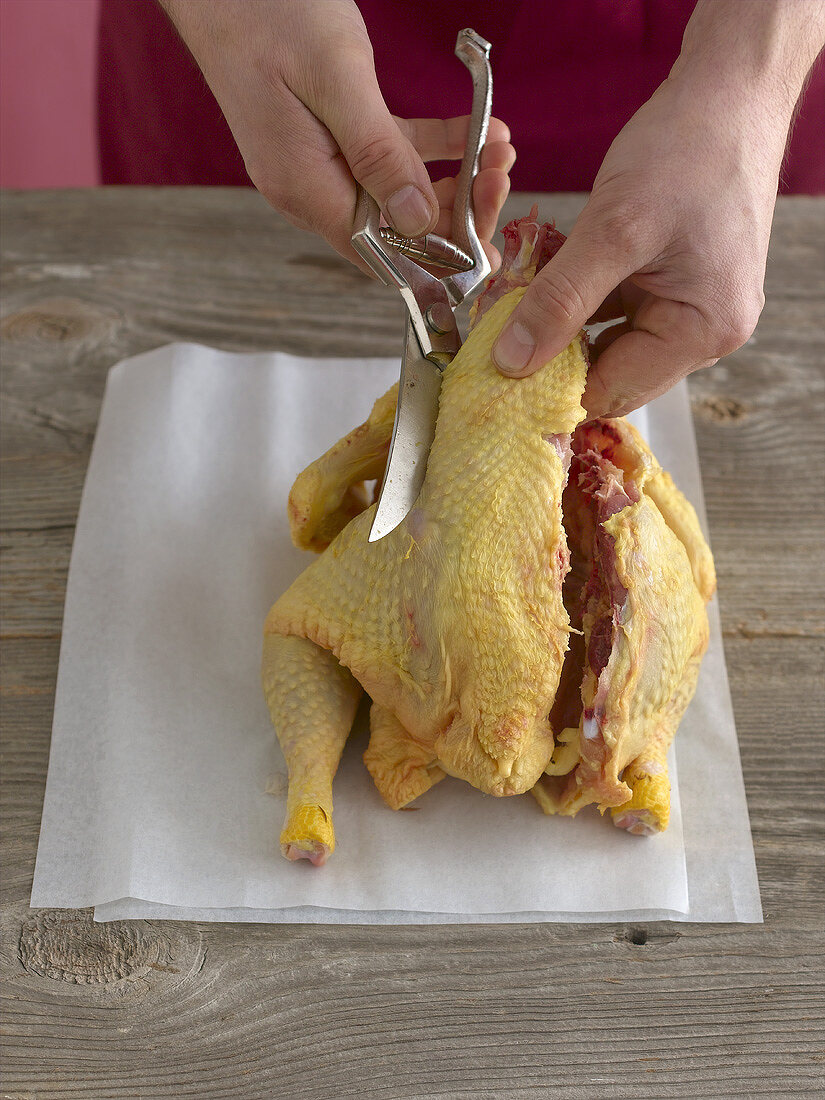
(47, 93)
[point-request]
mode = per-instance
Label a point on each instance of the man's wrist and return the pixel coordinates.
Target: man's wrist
(205, 27)
(196, 21)
(759, 50)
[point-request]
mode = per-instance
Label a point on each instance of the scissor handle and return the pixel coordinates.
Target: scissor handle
(474, 51)
(430, 300)
(424, 295)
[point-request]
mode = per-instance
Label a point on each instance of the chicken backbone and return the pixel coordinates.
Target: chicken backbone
(535, 624)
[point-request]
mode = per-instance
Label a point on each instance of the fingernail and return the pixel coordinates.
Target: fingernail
(514, 349)
(409, 211)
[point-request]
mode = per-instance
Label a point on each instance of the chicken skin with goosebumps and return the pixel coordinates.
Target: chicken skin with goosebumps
(486, 656)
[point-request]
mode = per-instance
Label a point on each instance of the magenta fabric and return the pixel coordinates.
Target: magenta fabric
(568, 75)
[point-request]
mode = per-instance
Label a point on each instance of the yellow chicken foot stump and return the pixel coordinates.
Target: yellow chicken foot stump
(308, 834)
(312, 700)
(648, 811)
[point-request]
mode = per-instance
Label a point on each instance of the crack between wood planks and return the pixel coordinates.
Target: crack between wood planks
(13, 636)
(203, 960)
(16, 691)
(35, 530)
(75, 437)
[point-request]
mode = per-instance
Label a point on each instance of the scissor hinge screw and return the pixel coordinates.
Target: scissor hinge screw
(439, 318)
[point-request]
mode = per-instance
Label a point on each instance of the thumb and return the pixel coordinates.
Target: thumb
(380, 157)
(560, 299)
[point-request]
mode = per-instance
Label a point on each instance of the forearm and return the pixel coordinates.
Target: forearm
(173, 9)
(203, 26)
(178, 10)
(761, 50)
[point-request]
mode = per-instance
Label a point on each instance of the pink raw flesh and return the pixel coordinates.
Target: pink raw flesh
(603, 487)
(601, 643)
(317, 857)
(636, 822)
(528, 246)
(604, 492)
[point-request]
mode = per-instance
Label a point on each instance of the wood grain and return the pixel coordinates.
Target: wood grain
(167, 1009)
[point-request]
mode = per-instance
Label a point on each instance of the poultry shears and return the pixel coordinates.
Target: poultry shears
(431, 337)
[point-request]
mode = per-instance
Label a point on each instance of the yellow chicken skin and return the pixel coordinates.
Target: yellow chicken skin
(455, 623)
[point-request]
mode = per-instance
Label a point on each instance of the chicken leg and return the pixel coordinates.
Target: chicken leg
(312, 700)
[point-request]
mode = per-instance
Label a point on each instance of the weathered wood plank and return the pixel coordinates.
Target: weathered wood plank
(35, 568)
(525, 1011)
(28, 666)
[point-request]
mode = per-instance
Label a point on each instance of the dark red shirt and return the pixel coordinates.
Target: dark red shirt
(568, 74)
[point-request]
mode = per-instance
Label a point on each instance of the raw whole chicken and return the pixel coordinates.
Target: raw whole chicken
(535, 624)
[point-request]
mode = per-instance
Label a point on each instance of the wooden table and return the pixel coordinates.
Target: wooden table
(154, 1009)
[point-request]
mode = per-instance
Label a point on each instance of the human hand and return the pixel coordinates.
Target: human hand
(297, 85)
(675, 234)
(674, 238)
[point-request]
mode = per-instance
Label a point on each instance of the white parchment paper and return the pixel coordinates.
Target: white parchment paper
(166, 787)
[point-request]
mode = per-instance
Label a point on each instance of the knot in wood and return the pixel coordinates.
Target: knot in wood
(60, 321)
(639, 937)
(70, 947)
(722, 410)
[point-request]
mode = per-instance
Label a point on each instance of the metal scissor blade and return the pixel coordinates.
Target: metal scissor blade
(412, 437)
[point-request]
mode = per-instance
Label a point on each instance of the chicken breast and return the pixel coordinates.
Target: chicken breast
(458, 623)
